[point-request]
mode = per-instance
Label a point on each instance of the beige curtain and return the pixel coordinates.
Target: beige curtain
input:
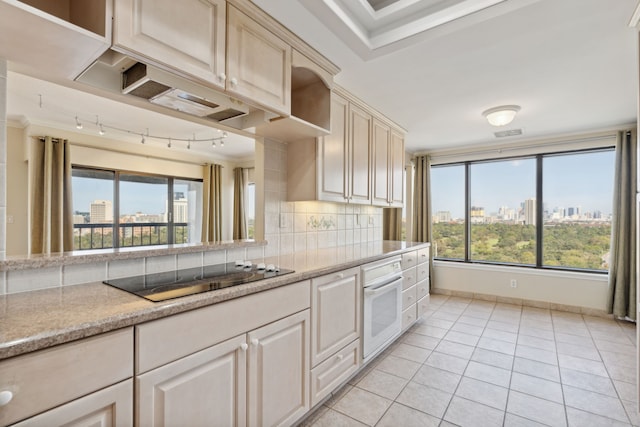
(422, 205)
(239, 217)
(392, 224)
(212, 203)
(422, 200)
(622, 267)
(51, 202)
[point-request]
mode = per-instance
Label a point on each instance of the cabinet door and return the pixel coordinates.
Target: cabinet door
(381, 163)
(333, 154)
(396, 173)
(335, 311)
(205, 388)
(279, 371)
(112, 406)
(360, 155)
(187, 36)
(258, 63)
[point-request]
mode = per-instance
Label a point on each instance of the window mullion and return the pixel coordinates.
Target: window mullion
(116, 210)
(467, 212)
(539, 211)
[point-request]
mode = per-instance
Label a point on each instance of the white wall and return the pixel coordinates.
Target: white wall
(17, 187)
(3, 156)
(544, 288)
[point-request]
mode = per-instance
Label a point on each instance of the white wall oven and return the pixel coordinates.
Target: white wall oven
(382, 311)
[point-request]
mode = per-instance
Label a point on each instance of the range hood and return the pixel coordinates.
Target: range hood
(166, 89)
(121, 74)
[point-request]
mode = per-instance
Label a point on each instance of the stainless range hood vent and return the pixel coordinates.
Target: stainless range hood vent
(171, 91)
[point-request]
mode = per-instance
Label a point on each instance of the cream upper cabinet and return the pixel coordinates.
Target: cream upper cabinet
(388, 166)
(359, 176)
(205, 388)
(332, 154)
(361, 161)
(278, 371)
(381, 163)
(54, 39)
(186, 36)
(396, 169)
(258, 63)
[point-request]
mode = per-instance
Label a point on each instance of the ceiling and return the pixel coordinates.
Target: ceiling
(34, 101)
(432, 66)
(570, 64)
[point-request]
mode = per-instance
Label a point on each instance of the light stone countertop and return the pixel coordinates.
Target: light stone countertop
(31, 321)
(100, 255)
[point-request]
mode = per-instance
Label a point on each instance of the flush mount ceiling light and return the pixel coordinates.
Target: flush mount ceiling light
(501, 116)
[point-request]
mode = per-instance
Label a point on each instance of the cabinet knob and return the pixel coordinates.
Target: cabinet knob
(234, 81)
(410, 298)
(5, 397)
(423, 289)
(244, 346)
(424, 255)
(255, 342)
(340, 357)
(222, 77)
(340, 275)
(409, 259)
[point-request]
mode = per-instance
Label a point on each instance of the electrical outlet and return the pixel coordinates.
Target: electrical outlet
(514, 283)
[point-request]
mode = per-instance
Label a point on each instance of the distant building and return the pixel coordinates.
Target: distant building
(180, 208)
(530, 211)
(442, 216)
(477, 215)
(100, 212)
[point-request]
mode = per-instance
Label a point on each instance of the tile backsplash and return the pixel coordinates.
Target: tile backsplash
(298, 226)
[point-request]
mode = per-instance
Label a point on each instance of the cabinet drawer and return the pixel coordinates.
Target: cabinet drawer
(422, 272)
(408, 297)
(408, 317)
(164, 340)
(409, 259)
(423, 255)
(423, 305)
(409, 278)
(422, 289)
(334, 371)
(47, 378)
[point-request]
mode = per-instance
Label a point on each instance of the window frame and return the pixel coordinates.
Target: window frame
(115, 226)
(539, 231)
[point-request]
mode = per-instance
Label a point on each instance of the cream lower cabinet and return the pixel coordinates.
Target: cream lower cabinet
(207, 388)
(335, 330)
(278, 372)
(257, 379)
(82, 383)
(240, 362)
(415, 285)
(110, 407)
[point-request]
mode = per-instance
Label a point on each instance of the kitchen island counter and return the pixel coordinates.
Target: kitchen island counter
(35, 320)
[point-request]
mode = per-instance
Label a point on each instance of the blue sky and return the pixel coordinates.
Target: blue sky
(584, 180)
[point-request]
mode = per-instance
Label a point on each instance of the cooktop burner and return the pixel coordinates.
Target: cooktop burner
(173, 284)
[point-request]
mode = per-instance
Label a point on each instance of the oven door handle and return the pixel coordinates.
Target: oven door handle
(369, 291)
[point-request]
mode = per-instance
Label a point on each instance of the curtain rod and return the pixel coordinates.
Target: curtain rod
(520, 147)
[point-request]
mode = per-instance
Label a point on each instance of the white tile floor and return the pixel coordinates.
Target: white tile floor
(478, 363)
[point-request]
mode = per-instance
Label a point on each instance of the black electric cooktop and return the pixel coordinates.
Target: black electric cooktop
(178, 283)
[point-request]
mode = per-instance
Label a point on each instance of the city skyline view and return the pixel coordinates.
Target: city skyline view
(584, 181)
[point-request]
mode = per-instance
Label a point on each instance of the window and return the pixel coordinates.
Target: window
(503, 211)
(578, 193)
(545, 211)
(448, 209)
(122, 209)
